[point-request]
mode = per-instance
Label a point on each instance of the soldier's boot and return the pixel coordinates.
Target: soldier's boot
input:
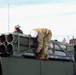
(46, 57)
(42, 57)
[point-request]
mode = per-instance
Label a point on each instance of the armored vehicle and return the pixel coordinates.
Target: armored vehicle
(17, 57)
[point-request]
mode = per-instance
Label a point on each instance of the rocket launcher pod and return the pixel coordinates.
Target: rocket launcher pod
(21, 39)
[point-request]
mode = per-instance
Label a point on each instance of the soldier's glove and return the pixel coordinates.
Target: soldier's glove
(37, 54)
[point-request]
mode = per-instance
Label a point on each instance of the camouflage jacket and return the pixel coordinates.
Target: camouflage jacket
(42, 33)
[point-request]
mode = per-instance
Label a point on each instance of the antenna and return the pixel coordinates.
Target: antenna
(8, 20)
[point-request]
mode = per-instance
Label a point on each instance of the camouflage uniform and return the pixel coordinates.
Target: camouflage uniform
(43, 38)
(17, 31)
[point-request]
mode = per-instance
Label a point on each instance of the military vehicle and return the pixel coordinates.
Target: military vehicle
(17, 57)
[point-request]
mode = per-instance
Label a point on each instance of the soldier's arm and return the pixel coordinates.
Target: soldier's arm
(40, 43)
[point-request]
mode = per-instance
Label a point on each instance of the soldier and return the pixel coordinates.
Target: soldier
(17, 29)
(43, 36)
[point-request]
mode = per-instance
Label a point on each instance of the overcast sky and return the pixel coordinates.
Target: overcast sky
(57, 15)
(19, 2)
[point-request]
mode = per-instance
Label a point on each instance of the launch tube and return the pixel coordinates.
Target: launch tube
(2, 49)
(21, 39)
(9, 38)
(56, 46)
(2, 38)
(9, 49)
(12, 38)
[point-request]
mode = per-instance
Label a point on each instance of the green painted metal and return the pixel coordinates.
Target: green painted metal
(75, 55)
(18, 66)
(22, 66)
(20, 48)
(57, 68)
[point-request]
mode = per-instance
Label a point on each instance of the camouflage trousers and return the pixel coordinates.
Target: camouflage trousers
(44, 50)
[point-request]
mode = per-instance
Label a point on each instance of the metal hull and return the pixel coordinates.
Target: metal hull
(19, 57)
(25, 66)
